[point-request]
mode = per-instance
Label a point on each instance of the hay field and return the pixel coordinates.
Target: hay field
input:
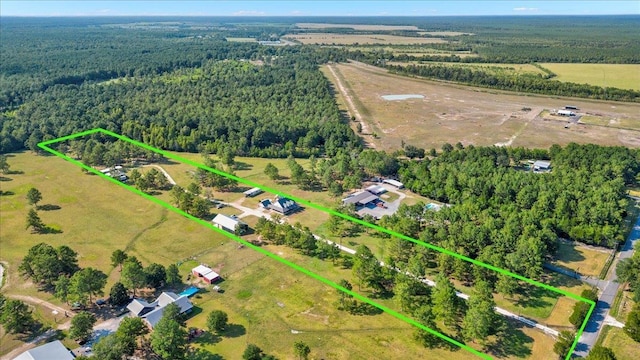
(452, 113)
(350, 39)
(623, 76)
(492, 68)
(363, 27)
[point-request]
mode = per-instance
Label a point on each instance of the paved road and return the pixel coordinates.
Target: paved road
(592, 330)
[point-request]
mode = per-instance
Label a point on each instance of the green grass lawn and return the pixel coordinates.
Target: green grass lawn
(622, 345)
(584, 260)
(623, 76)
(265, 299)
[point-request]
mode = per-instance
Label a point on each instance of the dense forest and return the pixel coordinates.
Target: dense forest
(271, 111)
(510, 217)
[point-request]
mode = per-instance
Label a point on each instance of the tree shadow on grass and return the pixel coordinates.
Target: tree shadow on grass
(49, 207)
(6, 193)
(568, 252)
(234, 331)
(50, 230)
(2, 178)
(534, 297)
(207, 338)
(201, 354)
(242, 165)
(513, 342)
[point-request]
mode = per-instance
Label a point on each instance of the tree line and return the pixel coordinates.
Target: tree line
(521, 82)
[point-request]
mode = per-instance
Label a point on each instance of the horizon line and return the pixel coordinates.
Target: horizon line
(307, 16)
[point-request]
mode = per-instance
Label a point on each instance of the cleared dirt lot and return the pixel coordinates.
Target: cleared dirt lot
(452, 113)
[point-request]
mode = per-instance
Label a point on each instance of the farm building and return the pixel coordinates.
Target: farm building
(376, 189)
(394, 183)
(253, 192)
(283, 205)
(152, 312)
(230, 224)
(539, 165)
(361, 198)
(54, 350)
(566, 113)
(209, 276)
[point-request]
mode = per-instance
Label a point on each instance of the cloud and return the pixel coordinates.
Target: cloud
(249, 13)
(296, 13)
(525, 9)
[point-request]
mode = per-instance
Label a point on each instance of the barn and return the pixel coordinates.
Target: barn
(394, 183)
(209, 276)
(230, 224)
(253, 192)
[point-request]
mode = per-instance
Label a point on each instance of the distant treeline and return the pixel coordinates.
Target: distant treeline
(71, 55)
(520, 82)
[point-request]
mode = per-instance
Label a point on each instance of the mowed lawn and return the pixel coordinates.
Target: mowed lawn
(584, 260)
(623, 76)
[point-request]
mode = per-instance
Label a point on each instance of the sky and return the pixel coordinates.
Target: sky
(314, 8)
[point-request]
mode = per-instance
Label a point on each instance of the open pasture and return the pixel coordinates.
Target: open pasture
(350, 39)
(492, 68)
(452, 113)
(363, 27)
(623, 76)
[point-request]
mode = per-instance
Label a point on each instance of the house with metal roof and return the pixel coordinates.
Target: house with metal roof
(360, 198)
(49, 351)
(283, 205)
(152, 312)
(541, 165)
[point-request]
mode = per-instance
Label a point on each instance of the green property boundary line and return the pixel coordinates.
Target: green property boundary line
(45, 146)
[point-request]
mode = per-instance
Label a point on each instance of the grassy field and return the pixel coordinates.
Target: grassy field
(362, 27)
(623, 76)
(491, 68)
(610, 122)
(416, 50)
(452, 113)
(622, 345)
(351, 39)
(586, 261)
(97, 217)
(240, 39)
